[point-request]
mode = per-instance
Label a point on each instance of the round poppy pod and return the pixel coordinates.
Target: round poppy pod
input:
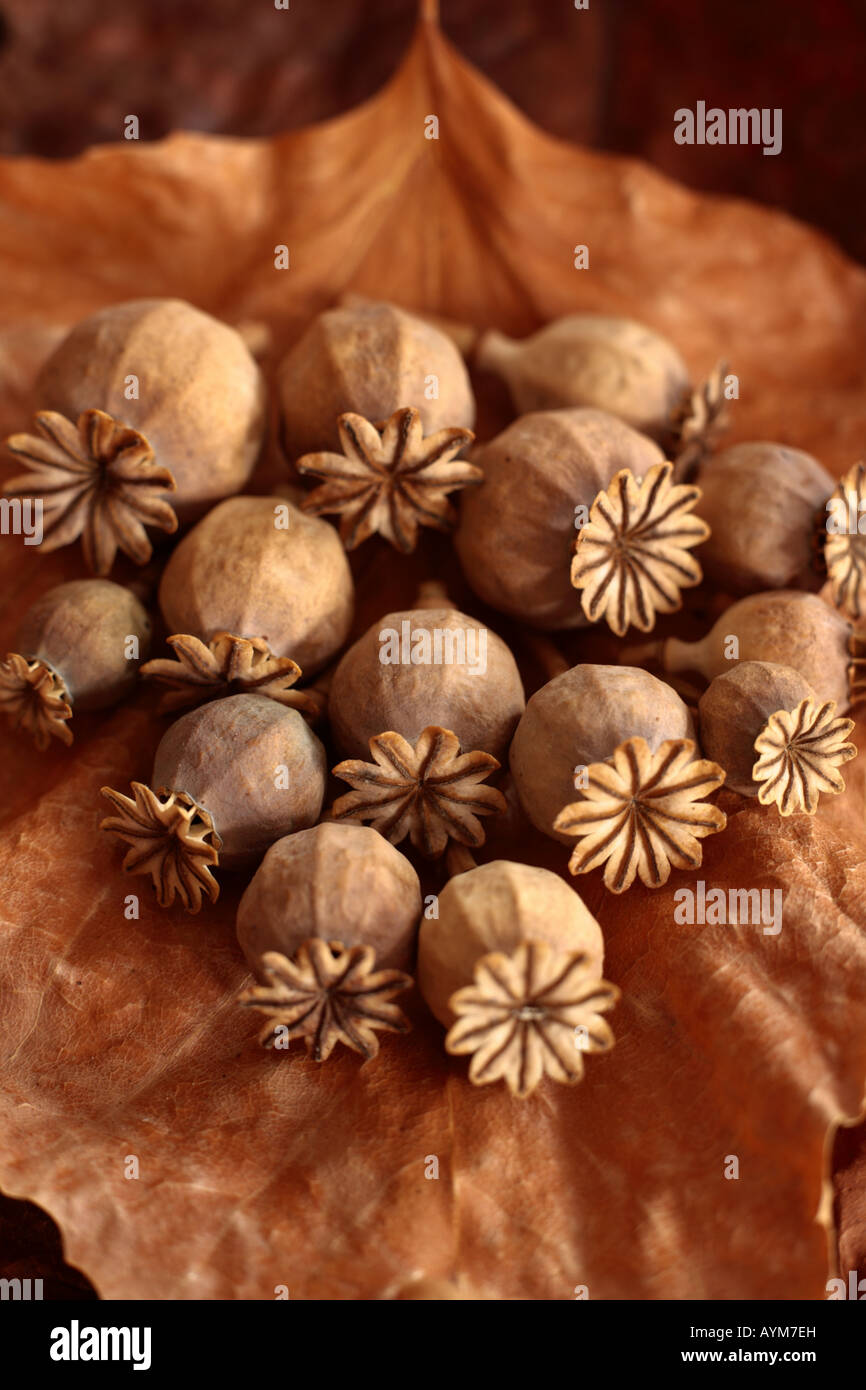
(82, 631)
(782, 626)
(735, 708)
(761, 502)
(341, 883)
(260, 567)
(605, 363)
(775, 739)
(78, 647)
(422, 667)
(517, 529)
(186, 381)
(255, 766)
(496, 908)
(579, 718)
(371, 359)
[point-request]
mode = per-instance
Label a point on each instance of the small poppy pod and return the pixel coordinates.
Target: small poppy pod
(592, 360)
(765, 505)
(229, 779)
(371, 359)
(844, 547)
(580, 718)
(182, 378)
(784, 627)
(426, 667)
(517, 530)
(78, 647)
(329, 923)
(512, 966)
(258, 567)
(775, 739)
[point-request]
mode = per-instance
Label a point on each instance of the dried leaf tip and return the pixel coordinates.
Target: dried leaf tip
(642, 813)
(631, 558)
(800, 752)
(529, 1015)
(227, 665)
(327, 994)
(389, 479)
(35, 699)
(97, 480)
(845, 545)
(429, 791)
(171, 838)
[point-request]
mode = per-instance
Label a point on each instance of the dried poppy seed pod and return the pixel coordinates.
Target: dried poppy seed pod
(579, 718)
(512, 967)
(642, 813)
(421, 667)
(431, 792)
(774, 738)
(389, 478)
(633, 556)
(228, 665)
(77, 648)
(517, 530)
(761, 502)
(783, 626)
(258, 567)
(329, 922)
(230, 778)
(96, 479)
(371, 359)
(186, 381)
(844, 554)
(609, 364)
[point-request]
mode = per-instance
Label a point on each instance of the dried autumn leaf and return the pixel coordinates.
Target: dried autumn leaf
(728, 1040)
(389, 478)
(431, 792)
(631, 558)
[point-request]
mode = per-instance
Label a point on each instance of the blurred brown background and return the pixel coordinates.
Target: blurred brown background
(609, 77)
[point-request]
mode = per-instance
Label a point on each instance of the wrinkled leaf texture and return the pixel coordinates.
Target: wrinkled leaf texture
(121, 1038)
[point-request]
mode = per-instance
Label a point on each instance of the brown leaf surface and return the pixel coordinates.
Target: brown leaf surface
(121, 1037)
